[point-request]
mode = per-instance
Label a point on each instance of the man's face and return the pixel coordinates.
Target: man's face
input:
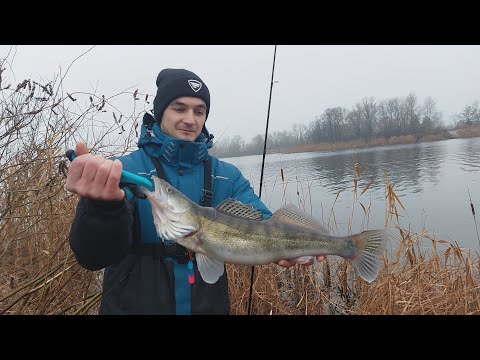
(184, 118)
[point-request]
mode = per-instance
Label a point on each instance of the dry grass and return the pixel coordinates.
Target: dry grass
(352, 144)
(469, 131)
(39, 275)
(38, 122)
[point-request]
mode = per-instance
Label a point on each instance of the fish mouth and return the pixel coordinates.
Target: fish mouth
(158, 193)
(162, 194)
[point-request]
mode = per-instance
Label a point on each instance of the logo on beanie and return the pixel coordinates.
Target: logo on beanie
(195, 85)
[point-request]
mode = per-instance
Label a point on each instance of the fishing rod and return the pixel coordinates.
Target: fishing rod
(261, 174)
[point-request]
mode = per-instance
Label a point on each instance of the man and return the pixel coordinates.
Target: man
(114, 229)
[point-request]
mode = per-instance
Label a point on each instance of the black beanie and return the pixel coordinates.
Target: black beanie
(175, 83)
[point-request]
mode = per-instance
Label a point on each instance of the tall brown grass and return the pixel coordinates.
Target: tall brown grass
(39, 274)
(38, 122)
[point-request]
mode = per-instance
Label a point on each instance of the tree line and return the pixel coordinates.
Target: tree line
(366, 120)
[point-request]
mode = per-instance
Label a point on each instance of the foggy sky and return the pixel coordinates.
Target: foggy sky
(309, 79)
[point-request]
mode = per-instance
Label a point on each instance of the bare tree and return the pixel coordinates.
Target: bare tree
(431, 117)
(470, 114)
(369, 117)
(411, 119)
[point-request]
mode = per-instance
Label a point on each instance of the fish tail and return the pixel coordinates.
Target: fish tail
(370, 247)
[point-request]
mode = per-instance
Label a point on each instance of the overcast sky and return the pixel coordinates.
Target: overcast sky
(310, 78)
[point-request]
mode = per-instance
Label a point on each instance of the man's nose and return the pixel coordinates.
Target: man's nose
(189, 117)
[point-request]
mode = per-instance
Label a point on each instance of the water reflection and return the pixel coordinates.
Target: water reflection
(431, 179)
(407, 166)
(468, 156)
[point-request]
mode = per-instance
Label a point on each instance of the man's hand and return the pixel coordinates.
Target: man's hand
(94, 177)
(287, 263)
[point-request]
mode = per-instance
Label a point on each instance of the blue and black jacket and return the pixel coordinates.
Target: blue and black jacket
(109, 234)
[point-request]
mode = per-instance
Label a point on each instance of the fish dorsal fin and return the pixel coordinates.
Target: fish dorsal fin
(236, 208)
(293, 215)
(210, 269)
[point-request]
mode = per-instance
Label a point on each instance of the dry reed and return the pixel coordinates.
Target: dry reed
(38, 122)
(469, 131)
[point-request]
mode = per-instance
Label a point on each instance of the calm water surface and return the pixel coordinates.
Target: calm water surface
(431, 179)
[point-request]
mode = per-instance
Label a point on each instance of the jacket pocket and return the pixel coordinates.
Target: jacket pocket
(119, 287)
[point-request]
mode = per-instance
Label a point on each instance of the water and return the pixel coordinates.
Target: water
(431, 180)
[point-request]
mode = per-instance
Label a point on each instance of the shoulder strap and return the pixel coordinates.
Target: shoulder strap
(206, 199)
(136, 221)
(158, 167)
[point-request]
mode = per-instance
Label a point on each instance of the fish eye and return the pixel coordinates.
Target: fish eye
(168, 190)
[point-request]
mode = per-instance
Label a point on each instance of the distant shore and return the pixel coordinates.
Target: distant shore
(465, 132)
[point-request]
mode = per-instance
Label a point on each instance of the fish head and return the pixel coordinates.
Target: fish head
(173, 213)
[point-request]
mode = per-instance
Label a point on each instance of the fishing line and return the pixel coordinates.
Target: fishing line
(263, 166)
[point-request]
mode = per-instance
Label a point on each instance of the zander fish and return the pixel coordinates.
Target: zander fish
(236, 233)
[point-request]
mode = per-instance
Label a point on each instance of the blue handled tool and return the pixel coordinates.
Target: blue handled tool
(127, 179)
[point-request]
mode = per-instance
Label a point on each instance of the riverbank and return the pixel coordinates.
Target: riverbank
(465, 132)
